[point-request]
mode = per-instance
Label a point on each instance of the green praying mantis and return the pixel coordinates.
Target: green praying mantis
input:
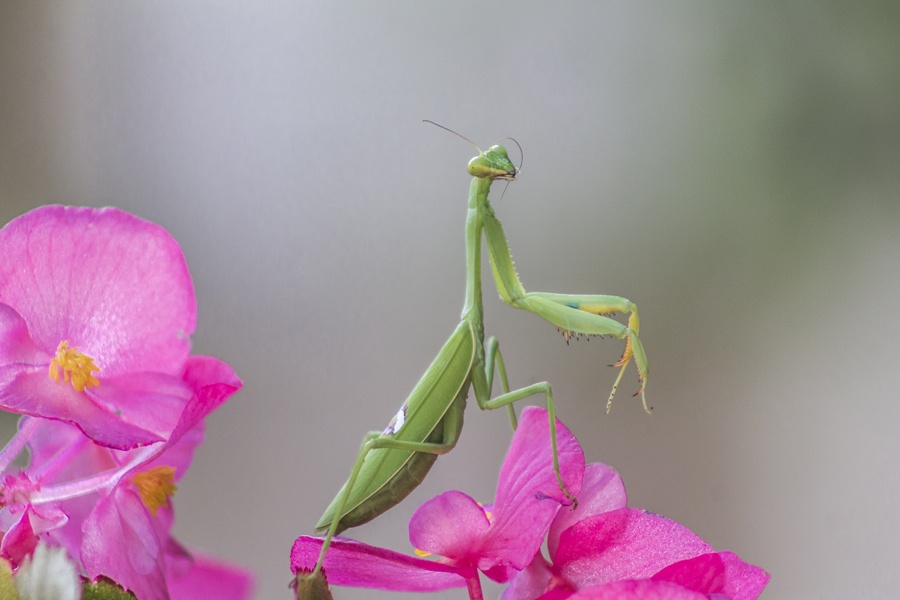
(391, 463)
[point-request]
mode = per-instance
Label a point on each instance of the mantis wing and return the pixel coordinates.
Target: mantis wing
(389, 472)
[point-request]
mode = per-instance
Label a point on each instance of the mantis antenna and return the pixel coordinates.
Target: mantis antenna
(480, 151)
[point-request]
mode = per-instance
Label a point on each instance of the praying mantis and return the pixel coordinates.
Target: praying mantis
(393, 462)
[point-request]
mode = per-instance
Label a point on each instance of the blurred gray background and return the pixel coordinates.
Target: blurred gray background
(730, 167)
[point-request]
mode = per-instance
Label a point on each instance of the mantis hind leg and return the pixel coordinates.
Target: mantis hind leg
(494, 359)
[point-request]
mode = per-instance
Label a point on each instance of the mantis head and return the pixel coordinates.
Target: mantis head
(493, 164)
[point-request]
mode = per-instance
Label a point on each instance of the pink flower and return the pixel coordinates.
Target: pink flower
(111, 508)
(97, 309)
(497, 540)
(605, 550)
(601, 550)
(127, 534)
(96, 313)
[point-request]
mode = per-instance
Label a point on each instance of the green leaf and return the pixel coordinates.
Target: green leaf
(7, 587)
(105, 589)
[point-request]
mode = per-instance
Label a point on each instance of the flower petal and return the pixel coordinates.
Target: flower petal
(114, 285)
(622, 544)
(16, 345)
(528, 493)
(154, 401)
(601, 491)
(530, 582)
(121, 542)
(450, 525)
(211, 578)
(635, 590)
(355, 564)
(55, 443)
(213, 381)
(743, 581)
(28, 391)
(721, 573)
(19, 539)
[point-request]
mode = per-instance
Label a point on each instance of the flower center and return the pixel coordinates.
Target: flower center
(155, 486)
(72, 365)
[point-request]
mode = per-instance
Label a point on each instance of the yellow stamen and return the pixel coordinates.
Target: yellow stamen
(421, 553)
(155, 487)
(75, 366)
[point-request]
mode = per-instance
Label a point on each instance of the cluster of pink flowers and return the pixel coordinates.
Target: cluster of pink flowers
(97, 310)
(600, 550)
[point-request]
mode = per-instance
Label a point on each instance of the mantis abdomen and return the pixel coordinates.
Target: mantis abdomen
(394, 461)
(411, 474)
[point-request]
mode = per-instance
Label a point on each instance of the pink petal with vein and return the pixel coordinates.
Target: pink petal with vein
(623, 544)
(355, 564)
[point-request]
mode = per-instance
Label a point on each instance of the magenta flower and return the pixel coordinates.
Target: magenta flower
(97, 309)
(96, 312)
(605, 550)
(497, 540)
(127, 535)
(601, 550)
(112, 512)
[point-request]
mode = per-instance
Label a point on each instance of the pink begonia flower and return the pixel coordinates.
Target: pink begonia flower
(605, 550)
(97, 310)
(126, 536)
(115, 528)
(497, 540)
(601, 550)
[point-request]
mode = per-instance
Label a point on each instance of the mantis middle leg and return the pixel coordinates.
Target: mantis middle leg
(482, 389)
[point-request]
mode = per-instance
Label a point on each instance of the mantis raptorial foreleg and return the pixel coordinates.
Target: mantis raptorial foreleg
(571, 313)
(585, 314)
